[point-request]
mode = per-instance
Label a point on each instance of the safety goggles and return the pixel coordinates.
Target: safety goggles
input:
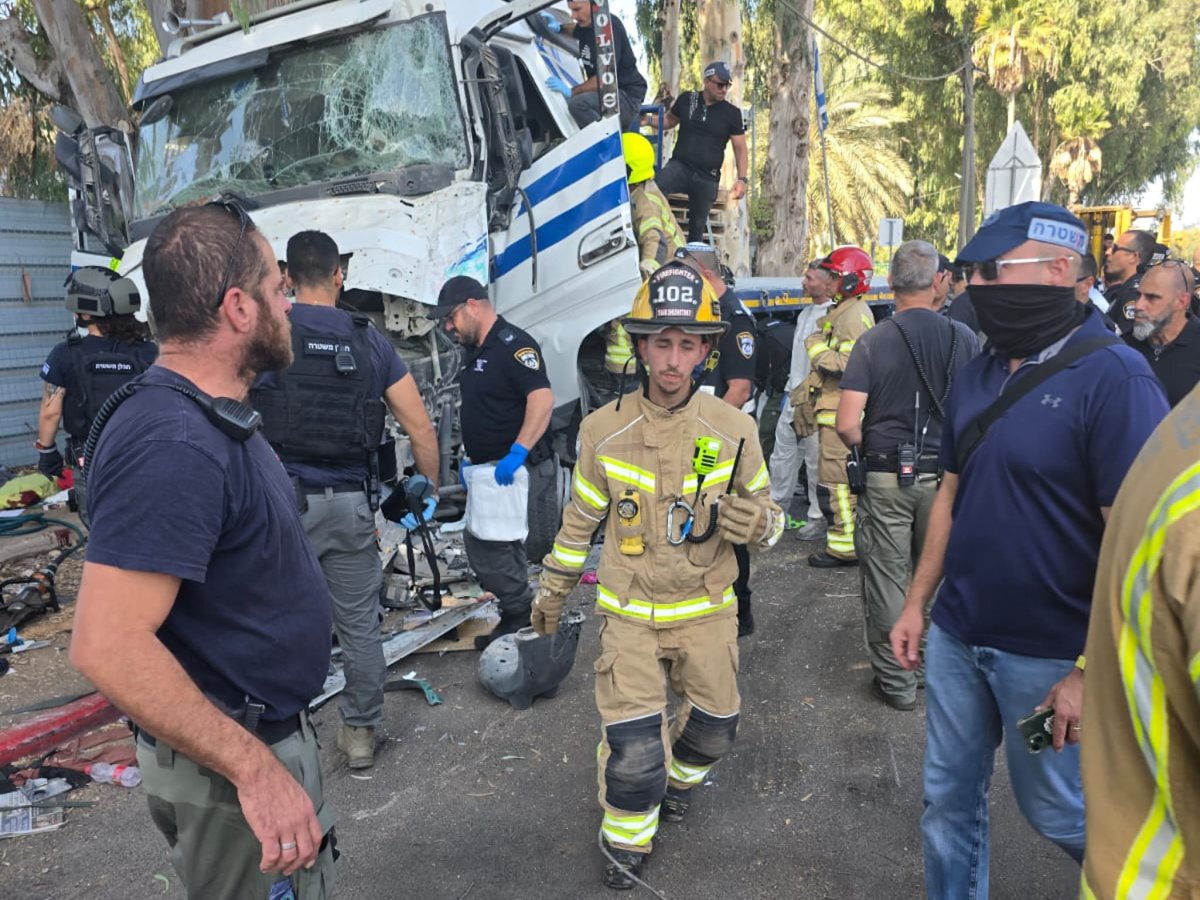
(989, 269)
(234, 207)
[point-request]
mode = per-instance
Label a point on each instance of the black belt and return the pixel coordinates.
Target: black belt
(889, 462)
(267, 732)
(334, 489)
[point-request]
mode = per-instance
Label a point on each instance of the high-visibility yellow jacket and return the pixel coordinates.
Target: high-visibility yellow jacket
(829, 349)
(658, 238)
(658, 233)
(642, 452)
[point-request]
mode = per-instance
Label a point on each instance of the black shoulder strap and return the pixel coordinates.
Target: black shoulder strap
(975, 432)
(938, 402)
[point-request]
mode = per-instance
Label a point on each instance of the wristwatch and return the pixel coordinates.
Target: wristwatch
(743, 179)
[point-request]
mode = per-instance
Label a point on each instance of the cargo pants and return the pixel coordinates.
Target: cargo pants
(892, 521)
(213, 850)
(837, 503)
(638, 755)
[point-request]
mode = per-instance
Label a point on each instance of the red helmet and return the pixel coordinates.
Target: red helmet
(853, 269)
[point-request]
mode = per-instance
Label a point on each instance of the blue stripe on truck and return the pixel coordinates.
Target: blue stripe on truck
(554, 230)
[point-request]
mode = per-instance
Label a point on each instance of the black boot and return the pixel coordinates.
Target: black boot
(619, 874)
(675, 804)
(509, 624)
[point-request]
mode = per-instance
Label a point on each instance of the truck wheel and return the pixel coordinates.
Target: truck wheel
(544, 518)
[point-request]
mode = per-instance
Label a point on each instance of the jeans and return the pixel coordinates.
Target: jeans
(974, 697)
(701, 189)
(585, 109)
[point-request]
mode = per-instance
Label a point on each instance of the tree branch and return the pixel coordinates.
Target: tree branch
(44, 75)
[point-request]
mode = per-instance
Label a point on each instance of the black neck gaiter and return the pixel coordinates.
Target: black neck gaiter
(1022, 319)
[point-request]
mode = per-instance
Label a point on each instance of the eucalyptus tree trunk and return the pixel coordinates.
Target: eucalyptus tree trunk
(93, 90)
(721, 39)
(785, 176)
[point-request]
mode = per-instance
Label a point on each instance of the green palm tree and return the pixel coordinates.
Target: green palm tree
(1017, 42)
(868, 178)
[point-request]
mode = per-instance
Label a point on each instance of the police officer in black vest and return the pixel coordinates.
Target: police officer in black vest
(325, 418)
(506, 409)
(81, 372)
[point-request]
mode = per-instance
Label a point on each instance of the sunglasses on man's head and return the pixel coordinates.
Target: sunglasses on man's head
(231, 206)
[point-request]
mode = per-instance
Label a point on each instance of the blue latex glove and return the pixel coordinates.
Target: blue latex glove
(463, 465)
(552, 23)
(557, 84)
(410, 521)
(507, 467)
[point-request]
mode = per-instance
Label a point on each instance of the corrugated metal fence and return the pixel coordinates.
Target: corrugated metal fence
(35, 257)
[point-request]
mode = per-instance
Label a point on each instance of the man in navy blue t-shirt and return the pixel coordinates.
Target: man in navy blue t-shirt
(202, 612)
(1013, 539)
(324, 416)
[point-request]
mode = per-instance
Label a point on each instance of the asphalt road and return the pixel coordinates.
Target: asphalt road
(471, 800)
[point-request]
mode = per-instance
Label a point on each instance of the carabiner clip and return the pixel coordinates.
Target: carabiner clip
(679, 503)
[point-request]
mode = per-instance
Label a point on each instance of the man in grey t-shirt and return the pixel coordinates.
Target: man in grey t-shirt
(893, 392)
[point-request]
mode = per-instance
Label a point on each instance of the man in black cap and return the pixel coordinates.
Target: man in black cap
(506, 407)
(707, 122)
(1039, 433)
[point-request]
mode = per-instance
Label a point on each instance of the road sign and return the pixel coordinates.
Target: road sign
(891, 232)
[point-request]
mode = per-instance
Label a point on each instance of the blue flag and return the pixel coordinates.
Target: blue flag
(822, 109)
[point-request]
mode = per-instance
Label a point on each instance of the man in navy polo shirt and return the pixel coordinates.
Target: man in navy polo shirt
(1009, 623)
(202, 612)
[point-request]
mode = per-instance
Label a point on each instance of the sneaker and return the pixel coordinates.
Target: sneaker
(622, 867)
(895, 702)
(675, 804)
(792, 524)
(358, 743)
(822, 560)
(812, 531)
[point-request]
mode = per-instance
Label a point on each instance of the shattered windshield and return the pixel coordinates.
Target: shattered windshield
(375, 102)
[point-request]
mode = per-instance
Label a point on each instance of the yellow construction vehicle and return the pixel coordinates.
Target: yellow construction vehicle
(1102, 220)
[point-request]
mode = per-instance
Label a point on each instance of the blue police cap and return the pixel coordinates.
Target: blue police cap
(1030, 221)
(718, 70)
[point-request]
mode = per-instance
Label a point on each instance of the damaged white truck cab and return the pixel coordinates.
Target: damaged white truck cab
(422, 137)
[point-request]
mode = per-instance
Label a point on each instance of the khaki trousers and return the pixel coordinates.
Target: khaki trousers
(638, 755)
(892, 521)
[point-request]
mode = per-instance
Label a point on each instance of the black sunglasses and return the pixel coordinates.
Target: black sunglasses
(1180, 266)
(234, 207)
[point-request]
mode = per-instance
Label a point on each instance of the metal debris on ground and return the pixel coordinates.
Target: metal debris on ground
(411, 682)
(30, 809)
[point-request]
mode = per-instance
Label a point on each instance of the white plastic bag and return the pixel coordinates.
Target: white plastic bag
(497, 512)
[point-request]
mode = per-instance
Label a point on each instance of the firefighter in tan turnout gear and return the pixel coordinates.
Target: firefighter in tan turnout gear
(680, 476)
(815, 401)
(658, 235)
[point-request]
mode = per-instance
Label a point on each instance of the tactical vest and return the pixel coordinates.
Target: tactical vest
(97, 373)
(323, 409)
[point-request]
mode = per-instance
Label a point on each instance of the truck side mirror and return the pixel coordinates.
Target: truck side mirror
(65, 119)
(156, 110)
(66, 154)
